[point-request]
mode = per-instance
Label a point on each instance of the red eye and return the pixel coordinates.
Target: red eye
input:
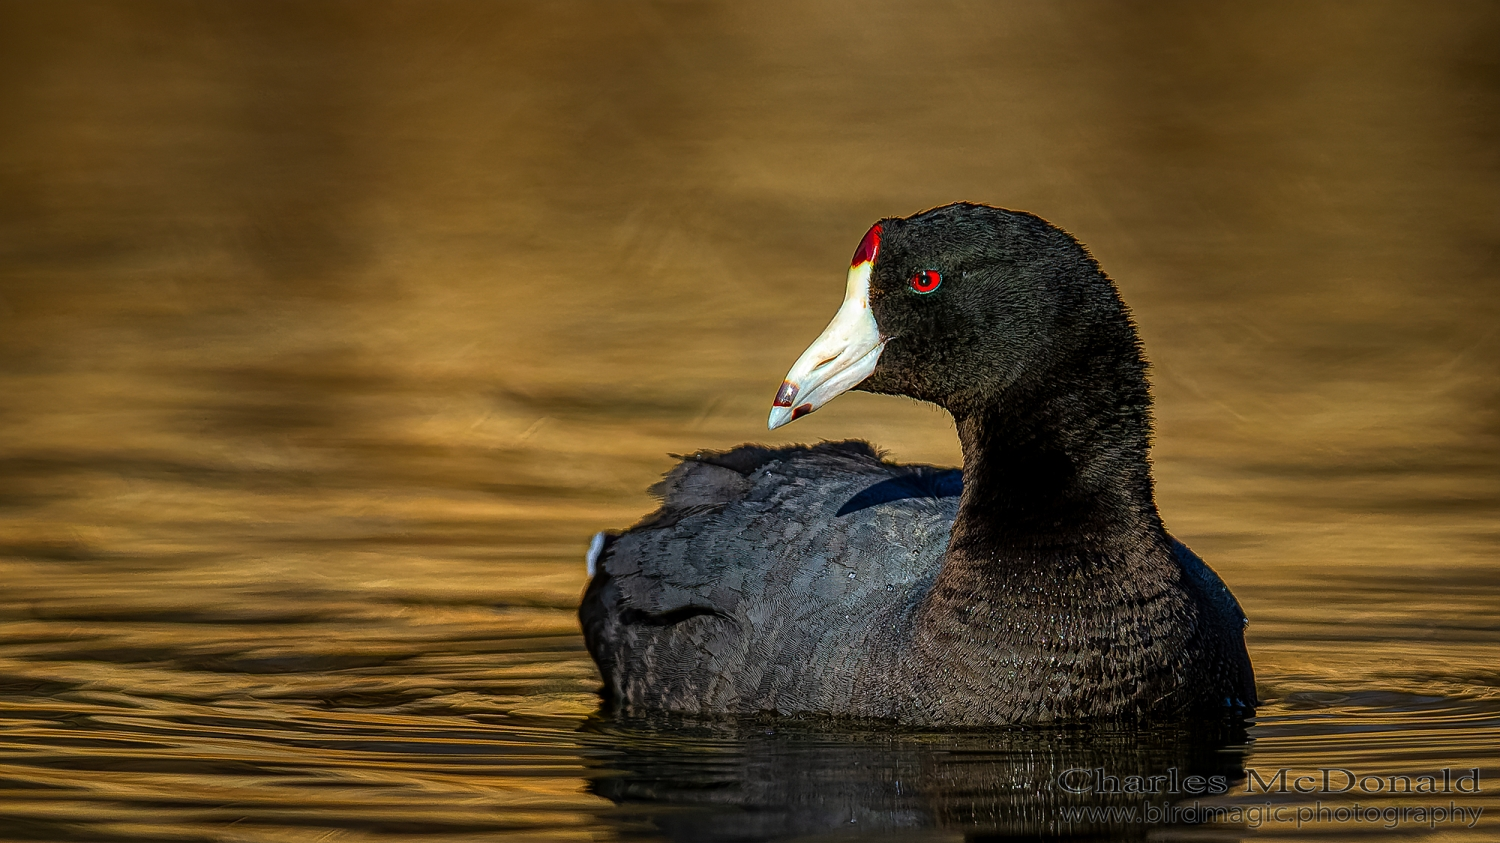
(926, 281)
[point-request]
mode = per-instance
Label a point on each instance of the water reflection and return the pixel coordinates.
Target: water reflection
(774, 780)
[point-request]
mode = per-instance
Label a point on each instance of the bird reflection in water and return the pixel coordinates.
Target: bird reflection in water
(753, 779)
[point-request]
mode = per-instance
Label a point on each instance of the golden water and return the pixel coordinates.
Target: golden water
(330, 332)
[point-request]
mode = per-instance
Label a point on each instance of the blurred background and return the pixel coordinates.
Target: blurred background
(331, 331)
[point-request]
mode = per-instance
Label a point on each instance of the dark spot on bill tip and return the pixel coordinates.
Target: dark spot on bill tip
(785, 395)
(801, 411)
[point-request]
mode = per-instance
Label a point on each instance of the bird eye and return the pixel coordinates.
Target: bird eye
(926, 281)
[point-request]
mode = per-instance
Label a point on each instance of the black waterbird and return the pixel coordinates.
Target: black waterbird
(1038, 586)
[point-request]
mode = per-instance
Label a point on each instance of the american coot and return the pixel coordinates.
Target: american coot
(1040, 585)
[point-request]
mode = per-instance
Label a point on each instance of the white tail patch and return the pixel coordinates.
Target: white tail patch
(596, 547)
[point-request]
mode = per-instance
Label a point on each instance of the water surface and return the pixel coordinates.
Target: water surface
(330, 332)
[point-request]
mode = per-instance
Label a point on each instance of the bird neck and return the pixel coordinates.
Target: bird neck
(1058, 575)
(1058, 466)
